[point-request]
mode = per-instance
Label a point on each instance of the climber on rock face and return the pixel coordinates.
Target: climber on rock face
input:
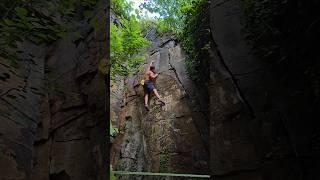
(149, 85)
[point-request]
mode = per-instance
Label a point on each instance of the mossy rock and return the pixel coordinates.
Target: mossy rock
(164, 163)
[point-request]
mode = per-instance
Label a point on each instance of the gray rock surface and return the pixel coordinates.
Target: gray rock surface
(252, 134)
(52, 110)
(167, 138)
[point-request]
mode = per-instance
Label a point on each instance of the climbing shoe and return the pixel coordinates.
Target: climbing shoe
(162, 102)
(147, 108)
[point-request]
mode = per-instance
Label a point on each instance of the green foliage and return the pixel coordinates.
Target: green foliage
(26, 26)
(113, 131)
(189, 20)
(126, 39)
(162, 26)
(159, 24)
(164, 163)
(195, 38)
(127, 45)
(277, 28)
(169, 11)
(112, 177)
(260, 26)
(28, 21)
(176, 16)
(133, 39)
(122, 8)
(146, 23)
(286, 34)
(172, 13)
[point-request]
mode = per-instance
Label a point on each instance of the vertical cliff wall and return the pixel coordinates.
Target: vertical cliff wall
(21, 95)
(170, 138)
(261, 124)
(52, 107)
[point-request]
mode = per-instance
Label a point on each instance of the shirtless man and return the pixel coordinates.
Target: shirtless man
(149, 85)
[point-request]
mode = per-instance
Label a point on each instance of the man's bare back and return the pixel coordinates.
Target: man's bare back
(149, 75)
(149, 85)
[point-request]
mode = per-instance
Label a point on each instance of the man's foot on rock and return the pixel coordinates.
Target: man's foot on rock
(147, 108)
(162, 102)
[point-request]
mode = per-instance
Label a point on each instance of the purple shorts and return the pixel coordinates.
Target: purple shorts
(148, 87)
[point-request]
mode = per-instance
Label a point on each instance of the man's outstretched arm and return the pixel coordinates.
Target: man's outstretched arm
(154, 75)
(149, 65)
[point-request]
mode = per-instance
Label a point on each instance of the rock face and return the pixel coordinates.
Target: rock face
(256, 118)
(20, 103)
(170, 138)
(52, 111)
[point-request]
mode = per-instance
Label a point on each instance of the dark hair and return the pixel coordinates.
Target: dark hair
(152, 68)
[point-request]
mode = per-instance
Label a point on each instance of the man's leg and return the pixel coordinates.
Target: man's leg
(158, 96)
(156, 93)
(146, 97)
